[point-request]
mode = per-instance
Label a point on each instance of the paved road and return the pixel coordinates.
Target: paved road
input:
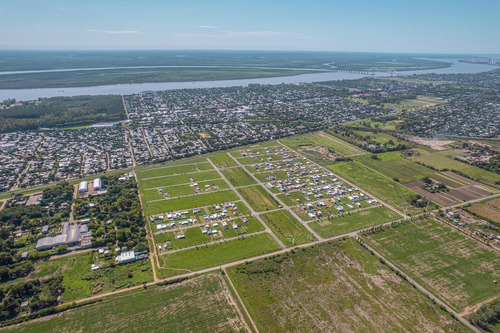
(422, 289)
(277, 199)
(254, 213)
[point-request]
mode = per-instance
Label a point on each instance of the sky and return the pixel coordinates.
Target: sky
(405, 26)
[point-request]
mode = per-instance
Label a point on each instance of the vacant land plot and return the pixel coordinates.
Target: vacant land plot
(238, 177)
(334, 287)
(163, 181)
(158, 309)
(439, 161)
(222, 159)
(290, 231)
(489, 210)
(354, 221)
(453, 267)
(258, 198)
(392, 165)
(412, 104)
(180, 190)
(173, 170)
(387, 190)
(193, 201)
(321, 139)
(80, 281)
(216, 254)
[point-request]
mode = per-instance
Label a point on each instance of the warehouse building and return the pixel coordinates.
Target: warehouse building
(71, 235)
(83, 187)
(97, 184)
(126, 257)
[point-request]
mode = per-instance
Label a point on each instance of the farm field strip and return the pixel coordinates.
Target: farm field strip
(352, 150)
(440, 161)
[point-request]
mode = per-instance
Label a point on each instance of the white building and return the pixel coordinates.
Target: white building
(97, 184)
(125, 257)
(83, 187)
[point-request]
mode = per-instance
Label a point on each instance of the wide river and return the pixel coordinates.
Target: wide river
(127, 89)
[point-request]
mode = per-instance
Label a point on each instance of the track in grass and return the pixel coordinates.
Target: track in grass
(337, 287)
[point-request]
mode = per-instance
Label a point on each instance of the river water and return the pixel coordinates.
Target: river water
(127, 89)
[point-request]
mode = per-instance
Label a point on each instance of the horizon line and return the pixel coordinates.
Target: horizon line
(248, 50)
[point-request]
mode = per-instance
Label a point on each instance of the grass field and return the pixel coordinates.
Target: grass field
(354, 221)
(411, 104)
(387, 190)
(157, 309)
(221, 159)
(178, 179)
(290, 231)
(453, 267)
(258, 198)
(216, 254)
(392, 165)
(238, 177)
(80, 281)
(334, 287)
(194, 201)
(315, 139)
(173, 170)
(180, 190)
(440, 161)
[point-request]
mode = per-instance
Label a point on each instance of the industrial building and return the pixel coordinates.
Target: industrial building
(97, 184)
(126, 257)
(71, 235)
(83, 187)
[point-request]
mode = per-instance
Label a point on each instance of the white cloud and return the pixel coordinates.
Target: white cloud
(207, 27)
(115, 32)
(232, 34)
(262, 33)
